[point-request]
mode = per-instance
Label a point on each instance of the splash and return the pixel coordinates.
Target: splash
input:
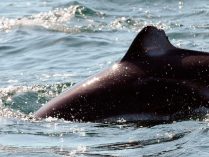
(135, 24)
(52, 20)
(78, 18)
(20, 100)
(49, 20)
(9, 113)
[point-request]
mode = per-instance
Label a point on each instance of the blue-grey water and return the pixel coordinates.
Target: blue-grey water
(47, 46)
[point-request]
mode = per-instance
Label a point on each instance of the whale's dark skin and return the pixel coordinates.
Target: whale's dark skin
(153, 77)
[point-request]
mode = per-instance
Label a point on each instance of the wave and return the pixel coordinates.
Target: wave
(55, 19)
(141, 143)
(21, 100)
(76, 18)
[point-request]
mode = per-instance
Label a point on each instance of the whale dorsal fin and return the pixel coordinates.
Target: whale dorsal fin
(150, 41)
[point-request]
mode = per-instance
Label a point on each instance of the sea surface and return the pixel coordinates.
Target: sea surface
(47, 46)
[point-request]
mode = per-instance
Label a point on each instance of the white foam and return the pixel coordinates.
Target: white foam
(137, 117)
(52, 20)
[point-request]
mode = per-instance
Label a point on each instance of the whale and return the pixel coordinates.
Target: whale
(154, 79)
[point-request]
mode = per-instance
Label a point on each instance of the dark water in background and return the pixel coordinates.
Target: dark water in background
(47, 46)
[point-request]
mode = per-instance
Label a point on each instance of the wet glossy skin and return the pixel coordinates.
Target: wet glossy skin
(153, 77)
(96, 97)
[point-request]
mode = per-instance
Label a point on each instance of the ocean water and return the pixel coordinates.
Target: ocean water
(48, 46)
